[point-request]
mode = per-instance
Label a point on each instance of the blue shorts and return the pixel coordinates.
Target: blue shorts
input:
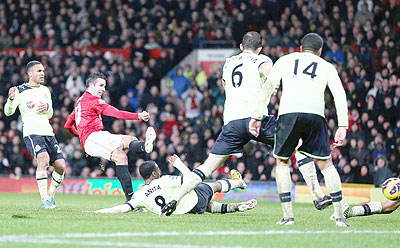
(204, 193)
(311, 128)
(236, 134)
(37, 144)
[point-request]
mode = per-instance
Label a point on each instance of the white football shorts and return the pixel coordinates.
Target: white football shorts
(101, 144)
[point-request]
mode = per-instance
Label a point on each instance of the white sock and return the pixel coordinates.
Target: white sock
(332, 182)
(307, 169)
(228, 184)
(223, 208)
(56, 180)
(41, 178)
(366, 209)
(284, 184)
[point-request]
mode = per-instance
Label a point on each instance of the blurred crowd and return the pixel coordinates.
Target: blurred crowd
(361, 39)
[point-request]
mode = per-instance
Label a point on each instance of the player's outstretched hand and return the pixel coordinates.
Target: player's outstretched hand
(144, 116)
(172, 159)
(11, 93)
(340, 135)
(254, 127)
(42, 107)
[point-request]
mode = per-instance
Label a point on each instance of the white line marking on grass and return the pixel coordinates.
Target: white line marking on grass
(110, 243)
(190, 233)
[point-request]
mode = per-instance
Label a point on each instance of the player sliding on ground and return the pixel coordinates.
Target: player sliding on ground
(370, 208)
(97, 143)
(158, 190)
(34, 102)
(243, 77)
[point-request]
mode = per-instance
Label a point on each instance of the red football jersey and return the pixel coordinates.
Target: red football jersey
(87, 112)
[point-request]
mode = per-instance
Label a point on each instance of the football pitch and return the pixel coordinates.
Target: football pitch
(25, 224)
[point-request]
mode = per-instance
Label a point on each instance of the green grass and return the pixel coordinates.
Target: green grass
(21, 215)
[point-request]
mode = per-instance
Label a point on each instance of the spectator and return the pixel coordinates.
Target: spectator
(363, 176)
(180, 82)
(192, 99)
(381, 171)
(364, 15)
(335, 54)
(75, 84)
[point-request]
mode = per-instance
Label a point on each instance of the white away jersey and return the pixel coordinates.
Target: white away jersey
(243, 84)
(304, 79)
(27, 98)
(161, 191)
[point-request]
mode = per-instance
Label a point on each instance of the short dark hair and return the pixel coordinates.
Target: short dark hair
(312, 42)
(32, 64)
(93, 76)
(252, 40)
(146, 168)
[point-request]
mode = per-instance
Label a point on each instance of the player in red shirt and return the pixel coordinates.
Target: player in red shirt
(85, 122)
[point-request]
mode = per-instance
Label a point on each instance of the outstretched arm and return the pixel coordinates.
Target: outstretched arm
(177, 163)
(123, 208)
(69, 125)
(267, 90)
(339, 97)
(12, 101)
(125, 115)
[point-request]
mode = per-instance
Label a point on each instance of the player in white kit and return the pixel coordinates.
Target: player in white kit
(244, 76)
(305, 76)
(158, 190)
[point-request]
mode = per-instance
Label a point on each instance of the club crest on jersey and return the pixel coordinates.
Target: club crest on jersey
(46, 96)
(101, 101)
(30, 104)
(37, 148)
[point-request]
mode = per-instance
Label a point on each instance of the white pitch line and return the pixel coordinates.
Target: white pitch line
(111, 243)
(5, 238)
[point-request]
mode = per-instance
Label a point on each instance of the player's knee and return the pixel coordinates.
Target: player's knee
(59, 165)
(324, 164)
(119, 157)
(126, 140)
(43, 159)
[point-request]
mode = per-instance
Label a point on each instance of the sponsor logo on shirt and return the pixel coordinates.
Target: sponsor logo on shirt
(30, 104)
(37, 148)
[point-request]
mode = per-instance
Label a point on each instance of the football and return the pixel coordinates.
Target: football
(391, 188)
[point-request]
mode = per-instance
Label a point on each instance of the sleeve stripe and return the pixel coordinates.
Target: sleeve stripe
(262, 63)
(130, 205)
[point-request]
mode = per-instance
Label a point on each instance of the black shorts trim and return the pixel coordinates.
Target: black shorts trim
(311, 128)
(204, 193)
(37, 144)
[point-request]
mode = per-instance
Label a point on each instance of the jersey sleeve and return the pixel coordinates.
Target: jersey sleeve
(339, 97)
(50, 104)
(263, 59)
(12, 105)
(275, 74)
(100, 105)
(137, 200)
(267, 89)
(172, 181)
(224, 74)
(69, 125)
